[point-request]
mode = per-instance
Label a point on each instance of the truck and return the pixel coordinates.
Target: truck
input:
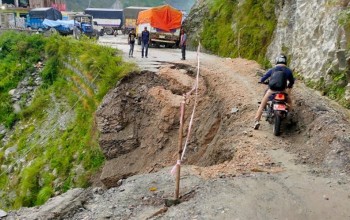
(130, 17)
(110, 20)
(83, 25)
(41, 18)
(164, 24)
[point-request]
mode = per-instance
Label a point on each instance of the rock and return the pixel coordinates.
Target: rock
(10, 150)
(341, 56)
(2, 129)
(98, 190)
(3, 213)
(16, 108)
(183, 71)
(12, 92)
(120, 182)
(347, 92)
(234, 110)
(56, 208)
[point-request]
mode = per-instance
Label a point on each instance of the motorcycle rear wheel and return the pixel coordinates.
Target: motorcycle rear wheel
(277, 125)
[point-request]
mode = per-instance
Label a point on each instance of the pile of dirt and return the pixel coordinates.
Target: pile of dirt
(320, 134)
(139, 124)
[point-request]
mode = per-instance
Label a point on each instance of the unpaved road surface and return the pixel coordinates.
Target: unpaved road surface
(230, 171)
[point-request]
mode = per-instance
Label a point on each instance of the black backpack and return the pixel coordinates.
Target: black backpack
(278, 80)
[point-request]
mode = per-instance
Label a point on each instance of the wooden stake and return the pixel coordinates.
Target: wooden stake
(178, 167)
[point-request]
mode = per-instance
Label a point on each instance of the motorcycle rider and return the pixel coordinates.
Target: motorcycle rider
(281, 75)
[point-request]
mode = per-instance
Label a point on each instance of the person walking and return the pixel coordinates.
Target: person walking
(131, 41)
(183, 39)
(144, 42)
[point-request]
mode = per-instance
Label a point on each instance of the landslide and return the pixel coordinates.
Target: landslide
(139, 122)
(239, 162)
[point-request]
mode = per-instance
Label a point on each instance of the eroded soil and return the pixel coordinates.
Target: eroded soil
(230, 171)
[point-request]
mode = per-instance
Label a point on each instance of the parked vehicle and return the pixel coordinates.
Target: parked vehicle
(130, 17)
(83, 24)
(276, 110)
(163, 23)
(60, 26)
(36, 17)
(110, 20)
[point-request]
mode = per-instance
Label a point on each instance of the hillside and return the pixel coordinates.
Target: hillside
(260, 30)
(50, 89)
(80, 5)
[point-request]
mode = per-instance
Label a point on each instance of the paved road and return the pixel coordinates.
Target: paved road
(156, 56)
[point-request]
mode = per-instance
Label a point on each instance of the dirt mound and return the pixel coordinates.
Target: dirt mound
(321, 133)
(139, 122)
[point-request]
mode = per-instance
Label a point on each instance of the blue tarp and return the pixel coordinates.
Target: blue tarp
(66, 24)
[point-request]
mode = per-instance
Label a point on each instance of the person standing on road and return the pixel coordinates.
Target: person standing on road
(144, 42)
(131, 41)
(183, 39)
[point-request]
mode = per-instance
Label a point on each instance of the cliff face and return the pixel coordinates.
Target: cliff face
(314, 34)
(309, 32)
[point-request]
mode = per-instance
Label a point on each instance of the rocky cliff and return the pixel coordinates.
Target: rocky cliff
(309, 31)
(313, 33)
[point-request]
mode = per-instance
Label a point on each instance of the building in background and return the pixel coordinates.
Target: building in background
(58, 4)
(14, 12)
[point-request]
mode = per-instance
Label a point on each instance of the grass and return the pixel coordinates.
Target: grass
(235, 30)
(18, 54)
(334, 88)
(56, 136)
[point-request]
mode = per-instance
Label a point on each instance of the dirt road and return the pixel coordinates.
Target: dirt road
(230, 171)
(305, 171)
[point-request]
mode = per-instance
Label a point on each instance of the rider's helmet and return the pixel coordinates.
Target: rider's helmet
(281, 59)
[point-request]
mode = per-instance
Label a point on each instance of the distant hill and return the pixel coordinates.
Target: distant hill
(80, 5)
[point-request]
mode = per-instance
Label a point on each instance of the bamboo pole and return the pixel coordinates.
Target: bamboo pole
(178, 167)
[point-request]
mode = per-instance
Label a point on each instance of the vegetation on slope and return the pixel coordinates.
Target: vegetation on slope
(17, 55)
(235, 29)
(80, 5)
(55, 138)
(144, 3)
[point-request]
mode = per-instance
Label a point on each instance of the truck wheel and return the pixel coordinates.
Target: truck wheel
(53, 31)
(109, 31)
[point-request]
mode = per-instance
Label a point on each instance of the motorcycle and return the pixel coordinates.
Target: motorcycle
(276, 110)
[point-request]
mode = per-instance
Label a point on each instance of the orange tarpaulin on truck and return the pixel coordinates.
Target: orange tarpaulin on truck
(163, 17)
